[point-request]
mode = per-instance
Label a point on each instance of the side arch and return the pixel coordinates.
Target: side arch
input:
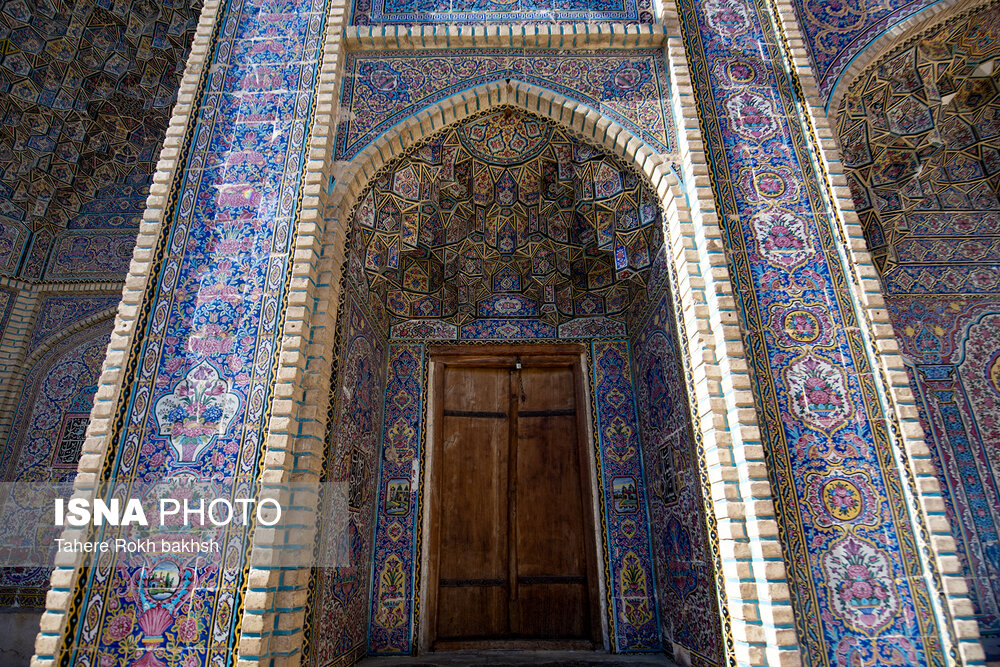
(36, 368)
(56, 400)
(892, 37)
(51, 342)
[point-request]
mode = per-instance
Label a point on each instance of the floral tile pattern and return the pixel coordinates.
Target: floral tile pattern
(951, 346)
(59, 386)
(374, 12)
(340, 597)
(857, 586)
(382, 90)
(56, 312)
(837, 32)
(686, 581)
(198, 401)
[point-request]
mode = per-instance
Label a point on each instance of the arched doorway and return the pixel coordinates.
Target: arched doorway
(507, 230)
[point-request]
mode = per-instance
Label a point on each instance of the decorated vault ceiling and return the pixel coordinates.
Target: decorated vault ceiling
(86, 90)
(836, 32)
(921, 142)
(506, 216)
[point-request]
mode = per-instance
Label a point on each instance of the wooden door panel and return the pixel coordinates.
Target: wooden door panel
(551, 596)
(513, 557)
(472, 612)
(473, 569)
(551, 611)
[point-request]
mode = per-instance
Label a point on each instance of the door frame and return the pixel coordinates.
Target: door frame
(572, 355)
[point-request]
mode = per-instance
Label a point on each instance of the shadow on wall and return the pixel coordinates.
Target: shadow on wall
(18, 628)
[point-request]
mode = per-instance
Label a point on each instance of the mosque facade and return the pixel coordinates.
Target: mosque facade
(614, 325)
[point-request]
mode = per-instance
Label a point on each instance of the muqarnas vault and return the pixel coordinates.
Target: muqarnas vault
(615, 325)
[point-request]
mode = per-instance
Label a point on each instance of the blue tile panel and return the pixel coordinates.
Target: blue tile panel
(374, 12)
(836, 33)
(685, 575)
(381, 90)
(340, 595)
(952, 349)
(857, 582)
(199, 378)
(58, 390)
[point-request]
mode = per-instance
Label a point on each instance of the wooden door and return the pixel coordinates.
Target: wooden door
(513, 557)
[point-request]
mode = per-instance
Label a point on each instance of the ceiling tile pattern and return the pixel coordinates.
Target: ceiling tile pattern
(505, 217)
(86, 91)
(921, 142)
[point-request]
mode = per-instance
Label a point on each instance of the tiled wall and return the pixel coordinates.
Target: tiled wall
(374, 12)
(340, 599)
(829, 438)
(685, 571)
(846, 496)
(57, 396)
(197, 400)
(919, 134)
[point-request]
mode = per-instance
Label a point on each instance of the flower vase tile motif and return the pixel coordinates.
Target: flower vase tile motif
(375, 12)
(198, 401)
(201, 407)
(631, 88)
(858, 588)
(634, 614)
(393, 584)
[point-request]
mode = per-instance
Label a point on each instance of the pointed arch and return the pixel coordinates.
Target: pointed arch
(352, 177)
(714, 366)
(909, 28)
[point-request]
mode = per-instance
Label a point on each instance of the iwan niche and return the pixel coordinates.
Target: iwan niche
(504, 264)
